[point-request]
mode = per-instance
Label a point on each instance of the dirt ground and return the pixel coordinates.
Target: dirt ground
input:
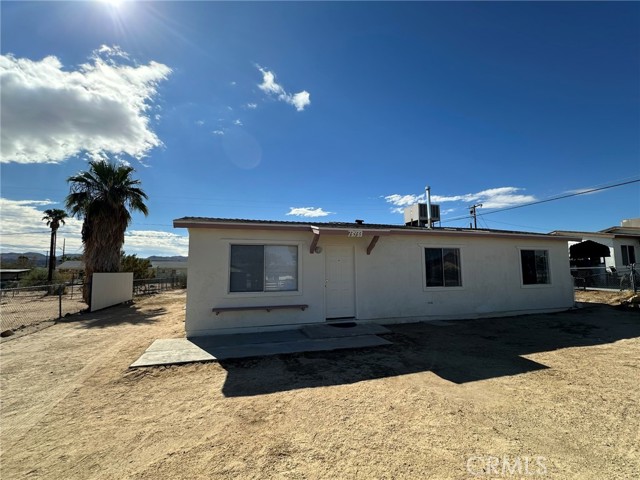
(609, 297)
(551, 396)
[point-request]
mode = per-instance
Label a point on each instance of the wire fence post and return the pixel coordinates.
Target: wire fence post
(60, 291)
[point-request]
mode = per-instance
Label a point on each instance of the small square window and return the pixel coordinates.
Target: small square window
(442, 267)
(535, 267)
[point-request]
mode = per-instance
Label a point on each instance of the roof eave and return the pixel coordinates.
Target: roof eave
(318, 228)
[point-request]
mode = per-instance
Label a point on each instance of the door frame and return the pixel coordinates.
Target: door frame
(352, 254)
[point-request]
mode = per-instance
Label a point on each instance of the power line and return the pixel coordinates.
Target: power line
(552, 199)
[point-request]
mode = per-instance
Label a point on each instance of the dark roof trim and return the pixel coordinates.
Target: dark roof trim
(330, 228)
(569, 233)
(608, 233)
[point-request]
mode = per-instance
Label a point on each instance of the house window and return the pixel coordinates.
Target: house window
(535, 267)
(628, 254)
(263, 268)
(442, 267)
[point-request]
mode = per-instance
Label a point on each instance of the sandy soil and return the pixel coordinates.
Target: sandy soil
(560, 391)
(606, 297)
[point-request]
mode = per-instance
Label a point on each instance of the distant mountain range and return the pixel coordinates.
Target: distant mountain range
(40, 260)
(35, 259)
(177, 258)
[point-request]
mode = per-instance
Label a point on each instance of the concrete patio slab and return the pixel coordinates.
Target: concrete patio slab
(440, 323)
(227, 340)
(208, 349)
(340, 330)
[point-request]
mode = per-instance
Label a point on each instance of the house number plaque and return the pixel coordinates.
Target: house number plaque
(354, 233)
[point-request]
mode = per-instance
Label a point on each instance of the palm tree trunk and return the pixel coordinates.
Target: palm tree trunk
(52, 255)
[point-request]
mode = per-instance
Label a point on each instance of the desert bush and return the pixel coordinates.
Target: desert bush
(38, 276)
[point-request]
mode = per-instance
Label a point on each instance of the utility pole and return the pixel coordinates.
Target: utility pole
(472, 212)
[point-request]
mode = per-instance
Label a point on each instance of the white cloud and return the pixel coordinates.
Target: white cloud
(237, 122)
(502, 197)
(23, 230)
(404, 200)
(492, 198)
(50, 114)
(218, 132)
(155, 242)
(300, 100)
(200, 122)
(269, 85)
(251, 106)
(110, 51)
(308, 212)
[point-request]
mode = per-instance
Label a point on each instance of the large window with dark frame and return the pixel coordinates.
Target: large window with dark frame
(535, 267)
(442, 267)
(263, 268)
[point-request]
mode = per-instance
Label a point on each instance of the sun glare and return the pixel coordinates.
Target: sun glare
(113, 3)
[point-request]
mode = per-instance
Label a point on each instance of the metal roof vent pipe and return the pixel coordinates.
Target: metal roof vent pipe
(359, 222)
(428, 198)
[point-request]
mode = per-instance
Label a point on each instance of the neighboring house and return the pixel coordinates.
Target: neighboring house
(168, 269)
(72, 266)
(257, 275)
(623, 243)
(9, 277)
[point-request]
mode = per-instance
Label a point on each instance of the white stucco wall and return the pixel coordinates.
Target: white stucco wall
(618, 242)
(390, 282)
(109, 289)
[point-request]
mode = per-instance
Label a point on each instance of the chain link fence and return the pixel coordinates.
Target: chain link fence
(26, 306)
(21, 307)
(624, 278)
(156, 285)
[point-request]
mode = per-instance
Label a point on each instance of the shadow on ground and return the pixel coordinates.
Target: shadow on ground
(464, 351)
(118, 315)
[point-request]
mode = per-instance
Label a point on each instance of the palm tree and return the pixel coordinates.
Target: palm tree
(54, 217)
(103, 196)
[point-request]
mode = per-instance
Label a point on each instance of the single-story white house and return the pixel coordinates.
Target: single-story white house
(250, 275)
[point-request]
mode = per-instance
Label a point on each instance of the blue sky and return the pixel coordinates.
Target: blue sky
(322, 111)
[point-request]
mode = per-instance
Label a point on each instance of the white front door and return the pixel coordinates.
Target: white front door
(339, 282)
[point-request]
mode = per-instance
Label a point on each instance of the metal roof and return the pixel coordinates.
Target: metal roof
(610, 232)
(231, 223)
(71, 265)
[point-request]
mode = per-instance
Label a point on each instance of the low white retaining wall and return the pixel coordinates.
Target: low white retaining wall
(109, 289)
